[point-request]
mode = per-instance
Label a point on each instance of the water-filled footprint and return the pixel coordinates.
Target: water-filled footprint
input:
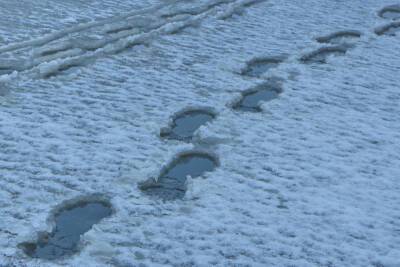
(171, 183)
(251, 99)
(70, 223)
(258, 66)
(186, 123)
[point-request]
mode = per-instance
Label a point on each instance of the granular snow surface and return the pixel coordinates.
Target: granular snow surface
(310, 180)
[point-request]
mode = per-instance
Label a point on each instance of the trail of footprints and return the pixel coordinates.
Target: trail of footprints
(74, 220)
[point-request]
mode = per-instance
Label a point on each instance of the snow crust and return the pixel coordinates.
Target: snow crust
(312, 180)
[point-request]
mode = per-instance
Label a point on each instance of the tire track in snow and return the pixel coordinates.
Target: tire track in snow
(48, 58)
(48, 38)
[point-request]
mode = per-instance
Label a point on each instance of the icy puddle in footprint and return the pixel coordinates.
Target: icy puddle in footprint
(185, 124)
(70, 224)
(252, 99)
(171, 184)
(258, 66)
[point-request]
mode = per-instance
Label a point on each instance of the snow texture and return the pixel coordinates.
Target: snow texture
(310, 180)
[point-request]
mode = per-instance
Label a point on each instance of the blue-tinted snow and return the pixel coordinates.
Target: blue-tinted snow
(310, 181)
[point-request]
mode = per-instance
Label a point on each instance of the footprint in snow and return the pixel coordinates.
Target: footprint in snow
(391, 12)
(71, 222)
(171, 183)
(390, 29)
(260, 65)
(184, 124)
(321, 55)
(252, 98)
(338, 44)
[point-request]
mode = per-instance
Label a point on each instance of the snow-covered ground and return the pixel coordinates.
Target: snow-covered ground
(312, 180)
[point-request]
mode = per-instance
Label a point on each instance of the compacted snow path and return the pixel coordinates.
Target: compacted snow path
(291, 157)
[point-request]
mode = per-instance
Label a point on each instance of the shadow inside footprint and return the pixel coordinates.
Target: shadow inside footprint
(340, 37)
(390, 29)
(251, 99)
(171, 184)
(390, 12)
(321, 55)
(185, 124)
(70, 223)
(258, 66)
